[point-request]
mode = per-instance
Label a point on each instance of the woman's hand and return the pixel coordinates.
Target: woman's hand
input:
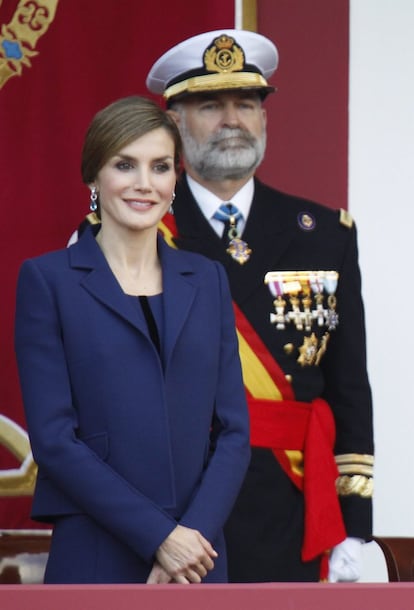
(185, 555)
(158, 576)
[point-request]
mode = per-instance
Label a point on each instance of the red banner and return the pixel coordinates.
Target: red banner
(60, 62)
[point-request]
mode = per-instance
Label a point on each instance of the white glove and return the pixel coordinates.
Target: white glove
(345, 562)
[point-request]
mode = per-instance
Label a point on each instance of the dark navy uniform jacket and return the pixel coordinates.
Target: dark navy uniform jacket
(265, 531)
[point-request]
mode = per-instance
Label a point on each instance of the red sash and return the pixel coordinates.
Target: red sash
(298, 433)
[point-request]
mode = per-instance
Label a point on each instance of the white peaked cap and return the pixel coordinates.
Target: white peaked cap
(215, 61)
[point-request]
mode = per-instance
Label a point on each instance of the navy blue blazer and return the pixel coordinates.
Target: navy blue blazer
(117, 435)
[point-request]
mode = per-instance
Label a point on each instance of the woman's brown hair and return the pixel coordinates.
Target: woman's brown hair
(119, 124)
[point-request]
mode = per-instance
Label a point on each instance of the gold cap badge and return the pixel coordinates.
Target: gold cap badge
(224, 55)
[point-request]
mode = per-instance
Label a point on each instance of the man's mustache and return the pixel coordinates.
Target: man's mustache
(226, 133)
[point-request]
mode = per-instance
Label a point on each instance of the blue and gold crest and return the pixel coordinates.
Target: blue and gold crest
(18, 39)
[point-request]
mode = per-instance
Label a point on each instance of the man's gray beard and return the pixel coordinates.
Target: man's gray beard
(213, 163)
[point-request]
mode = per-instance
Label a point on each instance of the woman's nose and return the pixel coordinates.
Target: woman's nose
(142, 180)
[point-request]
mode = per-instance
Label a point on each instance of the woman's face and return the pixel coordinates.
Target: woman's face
(136, 185)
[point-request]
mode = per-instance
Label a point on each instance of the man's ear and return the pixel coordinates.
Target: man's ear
(174, 115)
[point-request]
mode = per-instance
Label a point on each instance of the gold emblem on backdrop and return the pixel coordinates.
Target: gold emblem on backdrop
(18, 39)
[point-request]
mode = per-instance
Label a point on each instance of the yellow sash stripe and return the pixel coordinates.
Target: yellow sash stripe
(167, 234)
(255, 376)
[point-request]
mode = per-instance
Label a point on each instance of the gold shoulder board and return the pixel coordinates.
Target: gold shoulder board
(345, 218)
(92, 218)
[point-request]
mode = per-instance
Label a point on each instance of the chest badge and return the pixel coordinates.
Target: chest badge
(239, 250)
(303, 298)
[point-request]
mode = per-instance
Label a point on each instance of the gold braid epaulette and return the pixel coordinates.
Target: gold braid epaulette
(345, 218)
(355, 475)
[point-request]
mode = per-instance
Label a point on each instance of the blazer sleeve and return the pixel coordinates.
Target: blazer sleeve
(74, 469)
(222, 479)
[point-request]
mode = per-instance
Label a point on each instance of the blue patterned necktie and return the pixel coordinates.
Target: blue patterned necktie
(229, 214)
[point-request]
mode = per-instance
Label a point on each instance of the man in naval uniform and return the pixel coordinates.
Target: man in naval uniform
(305, 508)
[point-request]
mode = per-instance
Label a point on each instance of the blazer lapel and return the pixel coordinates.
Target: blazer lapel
(178, 288)
(100, 282)
(179, 292)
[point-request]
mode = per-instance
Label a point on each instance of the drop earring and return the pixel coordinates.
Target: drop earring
(171, 209)
(94, 196)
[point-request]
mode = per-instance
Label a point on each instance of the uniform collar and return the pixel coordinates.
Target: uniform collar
(208, 202)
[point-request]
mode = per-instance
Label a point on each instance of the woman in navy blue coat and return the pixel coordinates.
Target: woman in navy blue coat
(130, 376)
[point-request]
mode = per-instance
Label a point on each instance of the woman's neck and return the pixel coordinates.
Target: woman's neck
(133, 260)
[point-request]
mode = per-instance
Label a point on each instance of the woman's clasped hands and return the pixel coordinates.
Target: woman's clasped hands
(184, 557)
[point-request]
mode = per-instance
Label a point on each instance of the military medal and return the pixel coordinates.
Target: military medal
(278, 318)
(277, 290)
(331, 282)
(323, 343)
(308, 350)
(239, 250)
(295, 314)
(311, 298)
(316, 283)
(306, 302)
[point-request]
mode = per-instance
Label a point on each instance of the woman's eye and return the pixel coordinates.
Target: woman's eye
(123, 165)
(160, 168)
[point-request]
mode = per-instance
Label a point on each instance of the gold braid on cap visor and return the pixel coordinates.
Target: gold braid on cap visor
(217, 82)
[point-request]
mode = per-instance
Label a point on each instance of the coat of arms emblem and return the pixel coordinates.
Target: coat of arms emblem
(18, 38)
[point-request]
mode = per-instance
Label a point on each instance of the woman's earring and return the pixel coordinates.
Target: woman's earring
(171, 209)
(94, 196)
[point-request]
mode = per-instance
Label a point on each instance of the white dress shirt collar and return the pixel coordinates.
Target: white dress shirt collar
(208, 202)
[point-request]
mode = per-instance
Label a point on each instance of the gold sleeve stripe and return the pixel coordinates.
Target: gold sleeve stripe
(355, 458)
(367, 471)
(355, 474)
